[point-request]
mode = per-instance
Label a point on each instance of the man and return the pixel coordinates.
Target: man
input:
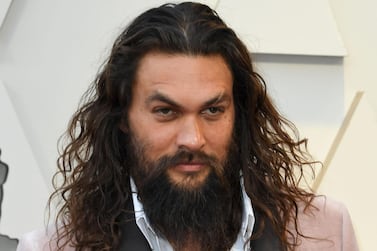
(6, 243)
(178, 147)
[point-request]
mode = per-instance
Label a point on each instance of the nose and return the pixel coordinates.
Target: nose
(190, 134)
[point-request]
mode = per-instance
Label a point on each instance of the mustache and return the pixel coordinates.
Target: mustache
(184, 156)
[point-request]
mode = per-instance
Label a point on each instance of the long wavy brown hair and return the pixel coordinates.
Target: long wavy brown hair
(92, 180)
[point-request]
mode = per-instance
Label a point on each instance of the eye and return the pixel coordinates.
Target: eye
(213, 111)
(164, 113)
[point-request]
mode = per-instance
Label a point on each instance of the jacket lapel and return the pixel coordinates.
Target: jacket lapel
(132, 238)
(268, 240)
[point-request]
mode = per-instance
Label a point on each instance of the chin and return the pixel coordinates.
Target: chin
(189, 180)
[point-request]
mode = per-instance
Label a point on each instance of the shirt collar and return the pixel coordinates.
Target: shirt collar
(248, 219)
(138, 207)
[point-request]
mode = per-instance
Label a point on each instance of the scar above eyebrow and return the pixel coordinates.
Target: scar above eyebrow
(222, 97)
(162, 98)
(157, 96)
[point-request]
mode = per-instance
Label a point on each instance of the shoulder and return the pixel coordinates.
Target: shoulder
(323, 208)
(35, 240)
(40, 240)
(326, 224)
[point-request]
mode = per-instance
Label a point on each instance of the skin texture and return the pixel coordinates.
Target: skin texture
(183, 102)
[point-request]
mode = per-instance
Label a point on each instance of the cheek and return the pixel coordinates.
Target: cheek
(220, 138)
(157, 140)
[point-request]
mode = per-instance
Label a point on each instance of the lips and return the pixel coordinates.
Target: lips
(189, 167)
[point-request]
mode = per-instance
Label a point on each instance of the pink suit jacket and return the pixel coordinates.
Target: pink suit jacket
(328, 228)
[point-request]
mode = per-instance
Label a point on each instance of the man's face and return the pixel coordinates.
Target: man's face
(182, 103)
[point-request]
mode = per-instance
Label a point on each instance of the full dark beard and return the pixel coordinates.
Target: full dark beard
(208, 216)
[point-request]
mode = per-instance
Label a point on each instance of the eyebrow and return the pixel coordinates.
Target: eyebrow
(157, 96)
(162, 98)
(222, 97)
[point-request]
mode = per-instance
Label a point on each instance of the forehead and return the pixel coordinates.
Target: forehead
(186, 76)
